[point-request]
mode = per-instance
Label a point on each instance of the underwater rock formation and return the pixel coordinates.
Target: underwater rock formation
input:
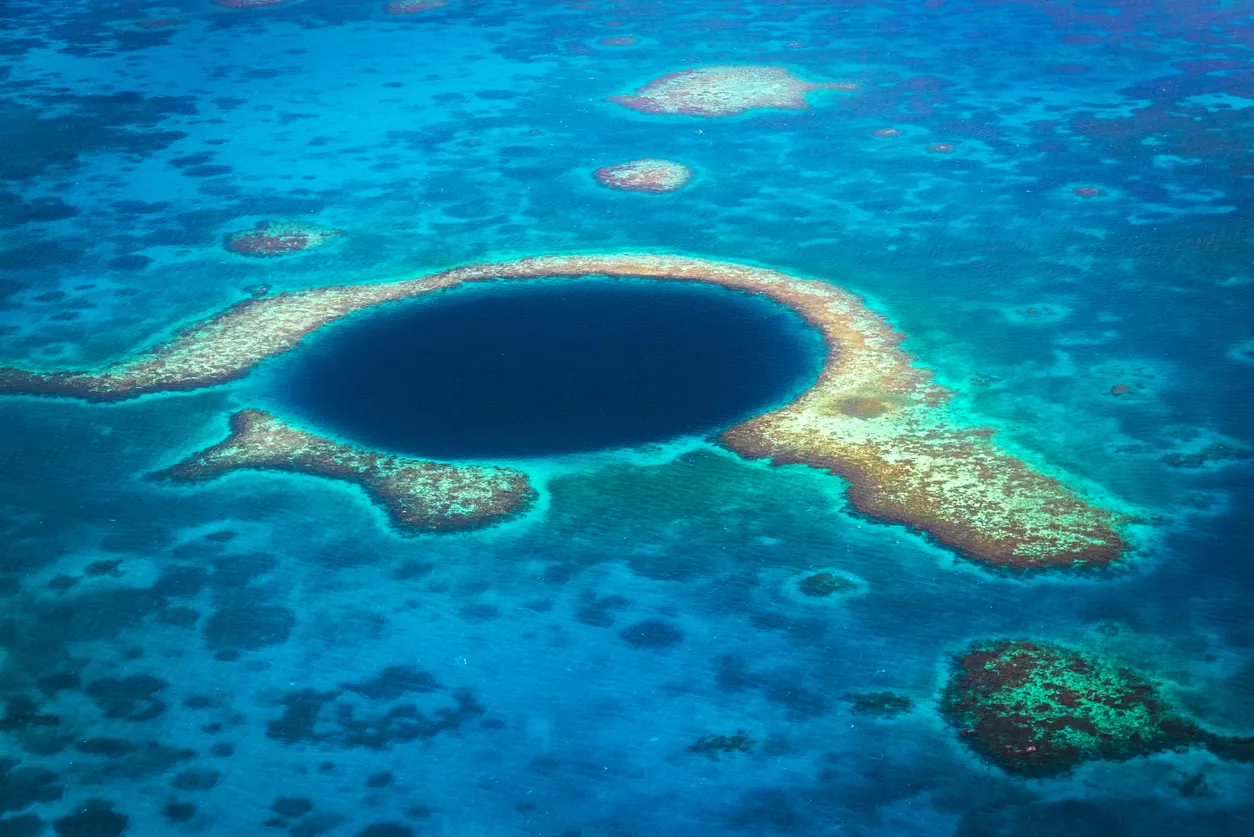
(873, 417)
(1040, 709)
(269, 239)
(724, 90)
(883, 704)
(717, 746)
(821, 585)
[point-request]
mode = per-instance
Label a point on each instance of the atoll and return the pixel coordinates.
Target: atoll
(873, 417)
(269, 239)
(886, 132)
(941, 147)
(647, 175)
(1086, 191)
(1039, 709)
(724, 90)
(618, 40)
(416, 493)
(413, 7)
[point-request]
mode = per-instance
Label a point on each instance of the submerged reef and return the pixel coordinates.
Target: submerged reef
(269, 239)
(724, 90)
(413, 7)
(1207, 455)
(717, 746)
(824, 584)
(1039, 709)
(882, 704)
(417, 494)
(646, 175)
(873, 417)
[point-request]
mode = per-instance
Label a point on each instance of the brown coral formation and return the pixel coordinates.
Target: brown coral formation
(724, 90)
(648, 175)
(270, 238)
(417, 494)
(873, 417)
(1041, 709)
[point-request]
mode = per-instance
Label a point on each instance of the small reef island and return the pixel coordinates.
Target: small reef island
(270, 239)
(648, 175)
(872, 417)
(724, 90)
(1038, 709)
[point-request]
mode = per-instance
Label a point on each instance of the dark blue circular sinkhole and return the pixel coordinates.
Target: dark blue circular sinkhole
(509, 369)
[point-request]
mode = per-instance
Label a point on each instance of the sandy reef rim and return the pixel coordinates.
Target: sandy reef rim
(873, 416)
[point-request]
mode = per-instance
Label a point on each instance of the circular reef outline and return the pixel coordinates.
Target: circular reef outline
(872, 417)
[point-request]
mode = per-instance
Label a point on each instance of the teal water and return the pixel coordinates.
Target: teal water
(264, 654)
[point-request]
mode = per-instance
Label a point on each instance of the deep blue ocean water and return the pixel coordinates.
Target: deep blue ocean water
(541, 369)
(264, 654)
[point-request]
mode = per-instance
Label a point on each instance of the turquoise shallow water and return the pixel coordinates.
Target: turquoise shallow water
(264, 654)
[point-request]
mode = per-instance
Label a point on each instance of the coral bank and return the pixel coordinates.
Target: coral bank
(724, 90)
(269, 239)
(1040, 709)
(645, 175)
(416, 493)
(873, 417)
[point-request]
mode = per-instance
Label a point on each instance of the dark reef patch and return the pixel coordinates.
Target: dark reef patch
(395, 682)
(652, 634)
(196, 779)
(386, 829)
(327, 718)
(549, 366)
(128, 698)
(176, 811)
(26, 825)
(120, 123)
(14, 211)
(248, 621)
(96, 819)
(22, 786)
(110, 748)
(292, 807)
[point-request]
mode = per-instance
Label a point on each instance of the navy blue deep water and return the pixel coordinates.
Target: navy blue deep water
(549, 368)
(264, 654)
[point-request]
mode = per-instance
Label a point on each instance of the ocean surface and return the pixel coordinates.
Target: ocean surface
(1054, 200)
